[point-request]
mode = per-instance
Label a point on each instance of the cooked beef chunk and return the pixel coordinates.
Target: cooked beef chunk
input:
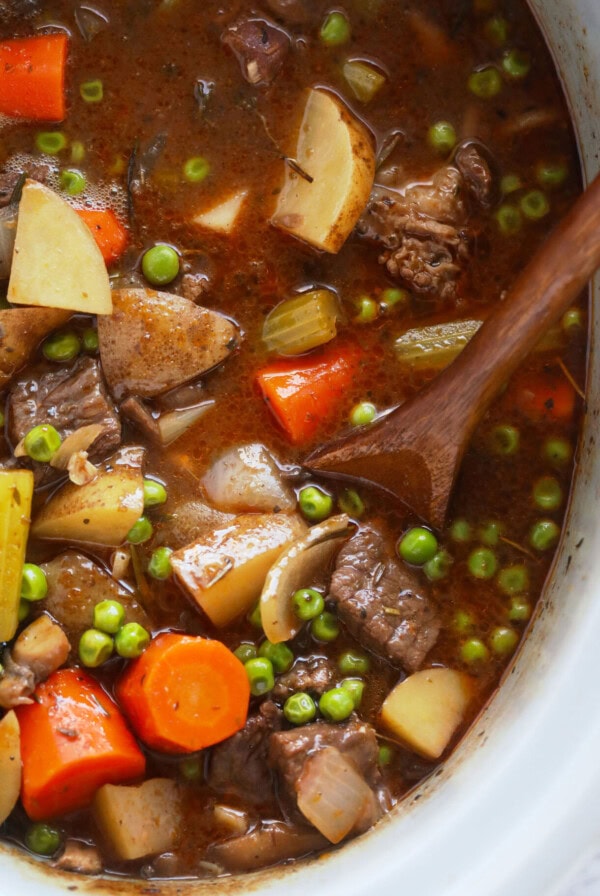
(194, 286)
(67, 398)
(315, 675)
(260, 47)
(9, 179)
(289, 750)
(269, 843)
(79, 857)
(475, 170)
(17, 682)
(238, 766)
(382, 601)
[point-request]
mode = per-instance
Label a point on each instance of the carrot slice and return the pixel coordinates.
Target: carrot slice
(543, 396)
(303, 392)
(107, 230)
(73, 740)
(184, 693)
(33, 77)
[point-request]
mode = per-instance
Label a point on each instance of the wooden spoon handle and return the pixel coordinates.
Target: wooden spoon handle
(551, 282)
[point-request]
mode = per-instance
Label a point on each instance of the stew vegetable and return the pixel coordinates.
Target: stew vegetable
(227, 234)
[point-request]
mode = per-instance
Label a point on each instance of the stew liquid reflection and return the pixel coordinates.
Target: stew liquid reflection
(226, 236)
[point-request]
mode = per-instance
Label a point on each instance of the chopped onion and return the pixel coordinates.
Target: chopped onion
(8, 230)
(81, 471)
(79, 440)
(90, 22)
(247, 479)
(120, 561)
(296, 568)
(174, 424)
(334, 796)
(364, 80)
(304, 322)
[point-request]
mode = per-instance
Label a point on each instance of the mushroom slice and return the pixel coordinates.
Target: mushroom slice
(296, 568)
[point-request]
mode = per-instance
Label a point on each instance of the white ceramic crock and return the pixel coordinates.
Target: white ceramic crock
(518, 805)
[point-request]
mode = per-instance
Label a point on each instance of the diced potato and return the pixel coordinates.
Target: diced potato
(10, 764)
(222, 217)
(141, 820)
(224, 571)
(21, 331)
(101, 511)
(155, 341)
(336, 152)
(425, 709)
(56, 262)
(16, 490)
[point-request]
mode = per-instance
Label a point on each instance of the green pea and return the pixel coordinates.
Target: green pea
(355, 687)
(485, 83)
(61, 347)
(34, 585)
(573, 321)
(496, 30)
(474, 651)
(350, 502)
(260, 675)
(557, 451)
(42, 442)
(131, 640)
(72, 181)
(196, 169)
(508, 219)
(43, 839)
(254, 616)
(417, 546)
(280, 655)
(50, 142)
(516, 64)
(489, 533)
(299, 709)
(513, 579)
(315, 504)
(352, 663)
(461, 531)
(543, 535)
(141, 531)
(77, 152)
(393, 296)
(95, 648)
(335, 30)
(307, 604)
(463, 622)
(547, 493)
(246, 651)
(504, 440)
(24, 610)
(362, 413)
(534, 205)
(510, 183)
(441, 136)
(154, 493)
(482, 563)
(89, 340)
(519, 609)
(109, 616)
(192, 768)
(325, 627)
(92, 91)
(551, 174)
(503, 640)
(439, 566)
(160, 264)
(336, 704)
(385, 755)
(367, 310)
(159, 566)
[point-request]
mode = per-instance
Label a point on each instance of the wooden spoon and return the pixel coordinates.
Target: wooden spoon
(415, 451)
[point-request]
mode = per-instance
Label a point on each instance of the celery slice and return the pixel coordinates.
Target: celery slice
(16, 490)
(301, 323)
(363, 79)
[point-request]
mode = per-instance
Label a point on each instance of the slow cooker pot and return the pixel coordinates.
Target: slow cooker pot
(517, 807)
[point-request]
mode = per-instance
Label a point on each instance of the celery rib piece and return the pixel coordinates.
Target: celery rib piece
(296, 325)
(16, 491)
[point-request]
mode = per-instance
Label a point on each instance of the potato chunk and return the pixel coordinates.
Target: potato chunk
(224, 571)
(10, 764)
(222, 218)
(21, 331)
(335, 152)
(56, 262)
(139, 821)
(16, 491)
(425, 709)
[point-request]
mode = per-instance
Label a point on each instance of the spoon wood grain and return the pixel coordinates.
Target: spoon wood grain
(415, 451)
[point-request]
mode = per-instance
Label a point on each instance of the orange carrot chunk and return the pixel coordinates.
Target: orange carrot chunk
(304, 392)
(107, 230)
(73, 740)
(184, 693)
(32, 77)
(544, 396)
